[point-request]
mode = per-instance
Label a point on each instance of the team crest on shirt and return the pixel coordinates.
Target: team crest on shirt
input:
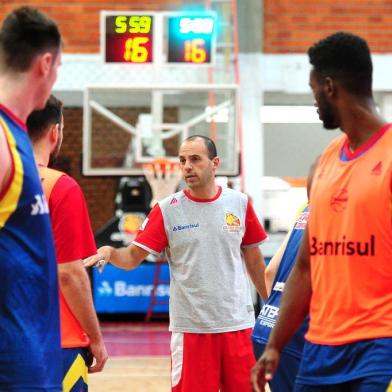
(339, 200)
(233, 223)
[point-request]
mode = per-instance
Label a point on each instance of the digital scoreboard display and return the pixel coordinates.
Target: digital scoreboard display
(190, 39)
(160, 38)
(129, 38)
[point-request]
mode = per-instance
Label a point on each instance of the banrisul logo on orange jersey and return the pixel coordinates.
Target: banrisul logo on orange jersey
(344, 247)
(233, 223)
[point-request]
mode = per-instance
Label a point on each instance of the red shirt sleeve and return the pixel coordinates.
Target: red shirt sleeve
(72, 231)
(254, 231)
(152, 235)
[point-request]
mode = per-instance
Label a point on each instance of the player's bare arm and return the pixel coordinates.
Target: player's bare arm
(5, 161)
(273, 265)
(126, 258)
(75, 284)
(255, 266)
(293, 310)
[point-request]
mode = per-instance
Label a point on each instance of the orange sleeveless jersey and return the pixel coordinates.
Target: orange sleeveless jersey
(350, 243)
(72, 334)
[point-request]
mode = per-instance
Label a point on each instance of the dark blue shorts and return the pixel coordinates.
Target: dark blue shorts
(75, 369)
(285, 374)
(365, 384)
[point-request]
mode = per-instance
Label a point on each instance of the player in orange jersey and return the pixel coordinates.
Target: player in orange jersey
(343, 272)
(81, 338)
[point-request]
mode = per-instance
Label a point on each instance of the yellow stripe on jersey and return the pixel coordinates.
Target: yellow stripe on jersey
(301, 210)
(78, 369)
(9, 201)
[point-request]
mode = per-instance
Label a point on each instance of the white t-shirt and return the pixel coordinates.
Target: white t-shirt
(209, 287)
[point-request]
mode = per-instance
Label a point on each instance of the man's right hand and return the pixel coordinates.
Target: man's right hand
(264, 369)
(99, 353)
(100, 259)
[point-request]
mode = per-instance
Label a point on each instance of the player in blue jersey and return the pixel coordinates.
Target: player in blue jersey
(284, 376)
(281, 265)
(30, 356)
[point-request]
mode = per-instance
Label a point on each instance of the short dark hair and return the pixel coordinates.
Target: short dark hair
(209, 143)
(26, 33)
(345, 57)
(39, 121)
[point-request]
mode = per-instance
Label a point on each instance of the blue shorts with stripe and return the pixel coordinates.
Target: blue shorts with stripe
(75, 369)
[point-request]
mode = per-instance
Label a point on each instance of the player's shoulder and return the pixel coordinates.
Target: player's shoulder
(65, 183)
(334, 146)
(172, 199)
(386, 137)
(49, 171)
(233, 193)
(335, 142)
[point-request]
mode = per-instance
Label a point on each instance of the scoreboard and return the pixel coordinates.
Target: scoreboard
(129, 39)
(189, 39)
(158, 37)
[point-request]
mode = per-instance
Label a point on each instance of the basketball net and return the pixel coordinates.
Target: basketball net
(163, 177)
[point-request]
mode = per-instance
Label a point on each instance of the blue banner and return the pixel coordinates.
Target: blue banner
(119, 291)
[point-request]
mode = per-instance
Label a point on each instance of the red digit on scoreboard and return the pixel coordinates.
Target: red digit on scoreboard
(129, 39)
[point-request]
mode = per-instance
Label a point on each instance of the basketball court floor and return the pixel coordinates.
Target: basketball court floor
(139, 358)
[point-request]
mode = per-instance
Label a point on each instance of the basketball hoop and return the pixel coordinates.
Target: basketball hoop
(163, 177)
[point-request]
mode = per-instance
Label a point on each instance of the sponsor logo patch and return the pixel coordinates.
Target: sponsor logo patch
(344, 247)
(268, 316)
(233, 223)
(40, 207)
(186, 227)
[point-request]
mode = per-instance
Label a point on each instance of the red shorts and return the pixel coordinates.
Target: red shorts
(211, 362)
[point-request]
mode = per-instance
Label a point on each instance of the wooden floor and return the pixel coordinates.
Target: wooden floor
(133, 374)
(139, 358)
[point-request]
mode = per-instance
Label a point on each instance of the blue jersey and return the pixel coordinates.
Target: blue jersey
(30, 356)
(269, 312)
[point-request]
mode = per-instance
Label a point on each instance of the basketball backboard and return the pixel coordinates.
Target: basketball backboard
(126, 127)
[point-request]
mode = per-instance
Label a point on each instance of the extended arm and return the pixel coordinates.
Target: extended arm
(126, 258)
(255, 266)
(75, 287)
